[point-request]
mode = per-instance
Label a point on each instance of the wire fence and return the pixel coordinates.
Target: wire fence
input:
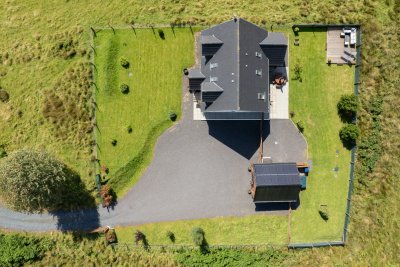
(175, 248)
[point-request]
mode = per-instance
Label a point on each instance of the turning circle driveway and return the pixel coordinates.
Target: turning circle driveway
(199, 170)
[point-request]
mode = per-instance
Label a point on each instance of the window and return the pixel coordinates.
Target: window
(259, 72)
(258, 54)
(213, 65)
(213, 79)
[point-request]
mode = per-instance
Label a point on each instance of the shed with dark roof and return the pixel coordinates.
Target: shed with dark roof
(275, 182)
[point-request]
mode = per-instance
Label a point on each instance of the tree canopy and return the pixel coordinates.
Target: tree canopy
(347, 106)
(32, 181)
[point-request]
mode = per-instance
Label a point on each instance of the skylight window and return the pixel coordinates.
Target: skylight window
(213, 65)
(258, 54)
(213, 79)
(259, 72)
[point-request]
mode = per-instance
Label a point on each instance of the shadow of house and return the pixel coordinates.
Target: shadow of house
(240, 135)
(277, 206)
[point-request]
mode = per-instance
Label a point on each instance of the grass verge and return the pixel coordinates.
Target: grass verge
(154, 80)
(314, 100)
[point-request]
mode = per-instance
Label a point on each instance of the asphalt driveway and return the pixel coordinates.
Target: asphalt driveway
(199, 170)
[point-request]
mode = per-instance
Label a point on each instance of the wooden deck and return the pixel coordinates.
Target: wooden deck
(336, 51)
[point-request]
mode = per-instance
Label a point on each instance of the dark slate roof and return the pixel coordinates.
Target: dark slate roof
(210, 39)
(237, 65)
(210, 87)
(276, 174)
(274, 38)
(195, 73)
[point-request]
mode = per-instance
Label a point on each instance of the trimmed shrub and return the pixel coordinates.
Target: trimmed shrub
(172, 116)
(161, 34)
(129, 129)
(124, 62)
(300, 126)
(198, 236)
(347, 106)
(114, 142)
(124, 88)
(349, 134)
(4, 96)
(324, 214)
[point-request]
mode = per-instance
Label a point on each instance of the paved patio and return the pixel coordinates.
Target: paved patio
(336, 51)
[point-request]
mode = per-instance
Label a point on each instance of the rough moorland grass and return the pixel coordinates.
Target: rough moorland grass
(314, 102)
(154, 77)
(255, 229)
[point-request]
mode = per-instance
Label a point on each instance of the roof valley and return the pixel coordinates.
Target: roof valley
(238, 65)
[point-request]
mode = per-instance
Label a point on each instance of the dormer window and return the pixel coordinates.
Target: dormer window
(258, 54)
(259, 72)
(213, 65)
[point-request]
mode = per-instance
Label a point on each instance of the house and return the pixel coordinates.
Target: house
(275, 182)
(233, 79)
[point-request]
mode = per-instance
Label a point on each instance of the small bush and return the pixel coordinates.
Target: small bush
(291, 113)
(171, 236)
(3, 152)
(198, 236)
(300, 126)
(104, 169)
(347, 106)
(298, 69)
(114, 142)
(349, 134)
(107, 195)
(324, 214)
(4, 96)
(124, 88)
(110, 236)
(141, 237)
(129, 129)
(161, 34)
(172, 116)
(124, 63)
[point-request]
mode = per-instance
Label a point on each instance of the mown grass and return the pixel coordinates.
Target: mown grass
(255, 229)
(314, 100)
(154, 78)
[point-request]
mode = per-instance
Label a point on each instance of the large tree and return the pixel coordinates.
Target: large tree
(33, 181)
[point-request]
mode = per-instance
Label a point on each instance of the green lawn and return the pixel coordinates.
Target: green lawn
(255, 229)
(314, 102)
(155, 80)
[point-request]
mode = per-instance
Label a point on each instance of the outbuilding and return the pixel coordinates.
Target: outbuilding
(275, 182)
